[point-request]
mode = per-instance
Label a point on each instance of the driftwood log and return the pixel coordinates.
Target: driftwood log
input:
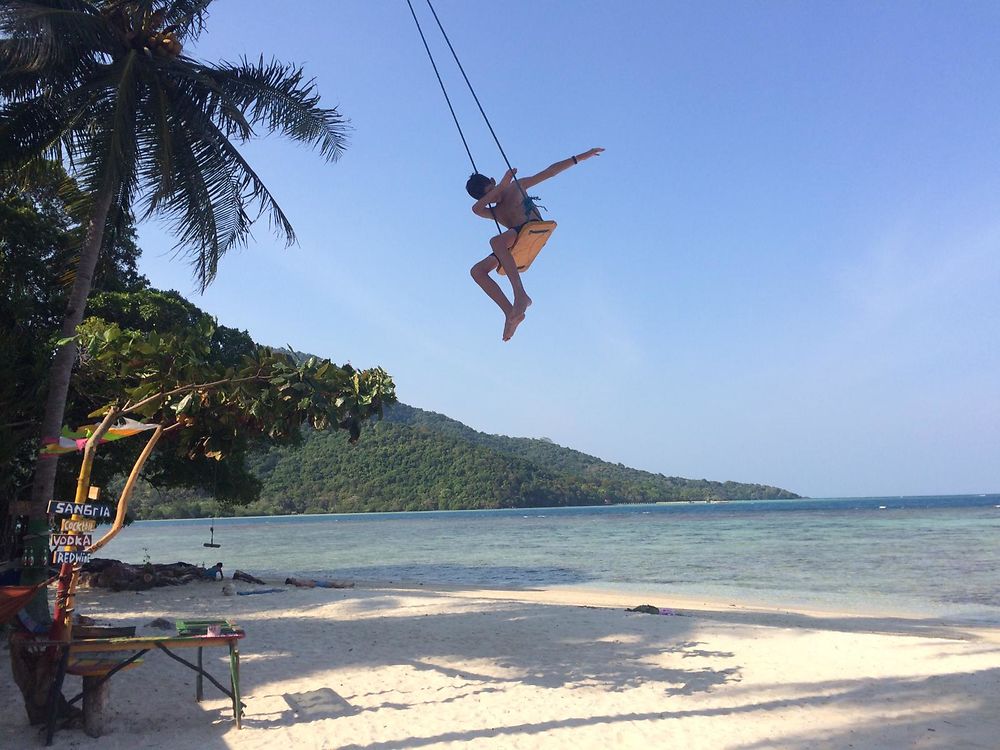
(118, 576)
(239, 575)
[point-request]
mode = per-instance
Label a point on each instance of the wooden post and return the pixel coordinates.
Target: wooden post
(96, 699)
(55, 695)
(198, 693)
(234, 676)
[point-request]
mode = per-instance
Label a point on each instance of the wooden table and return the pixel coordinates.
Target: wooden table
(191, 634)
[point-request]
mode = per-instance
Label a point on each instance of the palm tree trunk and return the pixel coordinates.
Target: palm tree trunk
(62, 363)
(34, 674)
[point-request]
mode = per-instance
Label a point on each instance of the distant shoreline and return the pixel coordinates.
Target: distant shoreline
(985, 498)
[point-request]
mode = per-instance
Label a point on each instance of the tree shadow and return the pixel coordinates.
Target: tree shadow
(882, 625)
(914, 730)
(478, 647)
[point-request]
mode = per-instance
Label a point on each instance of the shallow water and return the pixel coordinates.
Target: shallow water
(924, 556)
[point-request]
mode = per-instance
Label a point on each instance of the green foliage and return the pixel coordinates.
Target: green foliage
(218, 396)
(40, 230)
(418, 460)
(158, 341)
(104, 85)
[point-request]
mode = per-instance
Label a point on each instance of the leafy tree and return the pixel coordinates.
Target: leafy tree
(212, 411)
(40, 232)
(105, 86)
(160, 340)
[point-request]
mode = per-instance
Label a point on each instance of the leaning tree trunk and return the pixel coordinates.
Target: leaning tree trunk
(34, 673)
(62, 363)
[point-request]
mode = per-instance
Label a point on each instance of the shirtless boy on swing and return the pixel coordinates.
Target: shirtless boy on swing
(513, 209)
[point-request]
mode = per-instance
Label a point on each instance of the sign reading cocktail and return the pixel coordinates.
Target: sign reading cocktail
(72, 524)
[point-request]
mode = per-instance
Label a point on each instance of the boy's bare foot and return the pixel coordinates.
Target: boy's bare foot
(516, 316)
(513, 321)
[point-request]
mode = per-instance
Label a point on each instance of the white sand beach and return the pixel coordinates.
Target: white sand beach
(391, 668)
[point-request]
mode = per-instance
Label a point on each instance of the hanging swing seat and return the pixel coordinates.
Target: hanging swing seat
(530, 241)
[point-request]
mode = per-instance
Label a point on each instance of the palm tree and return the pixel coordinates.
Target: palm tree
(105, 87)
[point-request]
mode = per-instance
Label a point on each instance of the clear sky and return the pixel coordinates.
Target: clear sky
(784, 269)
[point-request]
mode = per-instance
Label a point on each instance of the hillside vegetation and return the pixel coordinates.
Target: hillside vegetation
(419, 460)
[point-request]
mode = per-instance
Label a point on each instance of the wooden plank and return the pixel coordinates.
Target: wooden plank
(136, 644)
(73, 525)
(63, 539)
(62, 508)
(72, 557)
(529, 243)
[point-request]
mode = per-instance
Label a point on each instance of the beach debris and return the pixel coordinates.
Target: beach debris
(312, 583)
(239, 575)
(119, 576)
(649, 609)
(260, 591)
(646, 609)
(161, 623)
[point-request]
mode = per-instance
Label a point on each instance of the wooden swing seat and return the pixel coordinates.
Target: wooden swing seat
(530, 241)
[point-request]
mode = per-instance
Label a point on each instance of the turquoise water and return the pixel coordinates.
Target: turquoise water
(926, 556)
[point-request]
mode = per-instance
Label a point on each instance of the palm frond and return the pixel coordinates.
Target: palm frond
(103, 86)
(277, 95)
(199, 188)
(188, 16)
(55, 80)
(185, 18)
(103, 147)
(46, 32)
(31, 129)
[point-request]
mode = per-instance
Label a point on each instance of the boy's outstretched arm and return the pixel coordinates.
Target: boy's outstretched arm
(560, 166)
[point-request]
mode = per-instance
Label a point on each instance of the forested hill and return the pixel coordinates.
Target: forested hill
(419, 460)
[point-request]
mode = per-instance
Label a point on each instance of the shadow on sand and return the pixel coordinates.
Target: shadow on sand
(547, 647)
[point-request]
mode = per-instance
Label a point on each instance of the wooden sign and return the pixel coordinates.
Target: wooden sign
(71, 557)
(70, 540)
(83, 524)
(70, 544)
(61, 508)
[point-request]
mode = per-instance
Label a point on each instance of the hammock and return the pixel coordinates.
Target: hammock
(15, 598)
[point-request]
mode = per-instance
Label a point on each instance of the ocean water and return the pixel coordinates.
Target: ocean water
(915, 556)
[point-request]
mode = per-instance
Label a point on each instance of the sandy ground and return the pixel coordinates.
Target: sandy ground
(386, 668)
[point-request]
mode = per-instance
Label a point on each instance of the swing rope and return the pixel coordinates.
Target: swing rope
(472, 91)
(441, 83)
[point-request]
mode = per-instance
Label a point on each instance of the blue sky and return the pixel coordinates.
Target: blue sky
(784, 269)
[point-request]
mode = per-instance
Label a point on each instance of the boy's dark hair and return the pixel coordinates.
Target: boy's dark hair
(478, 185)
